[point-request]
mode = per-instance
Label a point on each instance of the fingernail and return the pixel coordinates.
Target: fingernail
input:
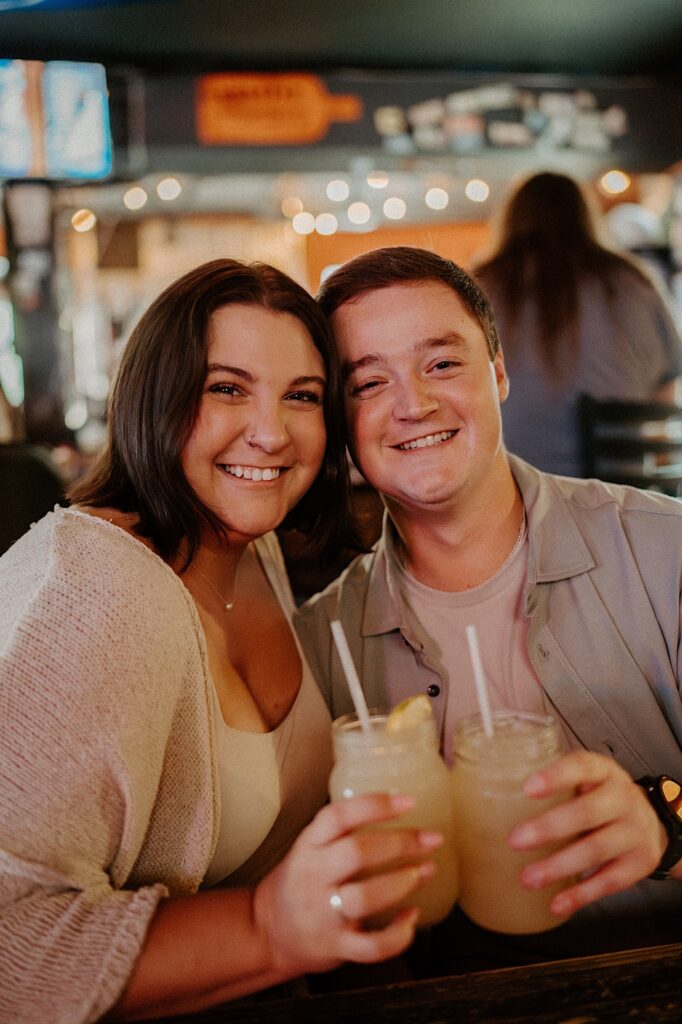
(561, 905)
(409, 917)
(521, 837)
(532, 879)
(535, 786)
(402, 802)
(430, 840)
(425, 870)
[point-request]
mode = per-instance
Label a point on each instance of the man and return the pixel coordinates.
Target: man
(574, 586)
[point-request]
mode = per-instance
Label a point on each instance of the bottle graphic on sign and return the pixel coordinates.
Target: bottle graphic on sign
(250, 109)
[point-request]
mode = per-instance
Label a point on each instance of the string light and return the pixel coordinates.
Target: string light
(135, 198)
(326, 224)
(377, 179)
(168, 189)
(477, 190)
(395, 208)
(291, 205)
(614, 182)
(83, 220)
(436, 198)
(359, 213)
(338, 190)
(303, 223)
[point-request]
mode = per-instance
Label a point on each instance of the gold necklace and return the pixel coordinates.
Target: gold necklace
(227, 605)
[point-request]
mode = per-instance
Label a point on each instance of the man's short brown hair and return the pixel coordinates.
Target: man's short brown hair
(404, 264)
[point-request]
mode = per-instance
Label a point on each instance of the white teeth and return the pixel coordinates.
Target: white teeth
(426, 442)
(252, 472)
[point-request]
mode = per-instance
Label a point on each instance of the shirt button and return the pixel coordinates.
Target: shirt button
(433, 690)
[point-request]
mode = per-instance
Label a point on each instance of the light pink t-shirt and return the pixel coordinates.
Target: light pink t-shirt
(496, 610)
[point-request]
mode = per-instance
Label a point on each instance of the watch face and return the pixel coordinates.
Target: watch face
(672, 793)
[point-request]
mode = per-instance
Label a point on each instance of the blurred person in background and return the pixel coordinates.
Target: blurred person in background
(574, 318)
(163, 740)
(30, 483)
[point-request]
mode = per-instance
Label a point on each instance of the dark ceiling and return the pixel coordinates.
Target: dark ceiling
(604, 37)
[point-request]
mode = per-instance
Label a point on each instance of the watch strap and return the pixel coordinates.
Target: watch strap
(665, 796)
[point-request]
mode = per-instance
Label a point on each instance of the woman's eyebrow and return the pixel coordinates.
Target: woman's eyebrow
(236, 370)
(312, 378)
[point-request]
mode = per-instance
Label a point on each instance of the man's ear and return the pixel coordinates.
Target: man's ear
(501, 377)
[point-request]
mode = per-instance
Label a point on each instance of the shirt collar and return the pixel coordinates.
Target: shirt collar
(556, 551)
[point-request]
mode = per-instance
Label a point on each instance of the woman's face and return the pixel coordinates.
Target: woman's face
(259, 437)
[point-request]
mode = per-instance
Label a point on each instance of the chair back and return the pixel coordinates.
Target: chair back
(29, 487)
(637, 443)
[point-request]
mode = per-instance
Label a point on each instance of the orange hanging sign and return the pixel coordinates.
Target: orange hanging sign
(249, 109)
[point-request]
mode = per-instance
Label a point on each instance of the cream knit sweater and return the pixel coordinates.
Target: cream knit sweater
(106, 762)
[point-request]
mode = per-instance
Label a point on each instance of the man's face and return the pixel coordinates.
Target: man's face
(422, 395)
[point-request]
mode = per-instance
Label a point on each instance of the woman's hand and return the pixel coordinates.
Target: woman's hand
(310, 907)
(613, 833)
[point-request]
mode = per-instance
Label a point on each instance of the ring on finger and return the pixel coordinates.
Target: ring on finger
(336, 903)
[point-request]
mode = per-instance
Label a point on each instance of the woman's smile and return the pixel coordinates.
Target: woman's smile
(256, 473)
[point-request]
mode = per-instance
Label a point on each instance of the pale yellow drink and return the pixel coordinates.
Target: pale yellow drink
(408, 763)
(488, 777)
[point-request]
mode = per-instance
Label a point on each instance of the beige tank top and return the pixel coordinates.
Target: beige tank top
(272, 783)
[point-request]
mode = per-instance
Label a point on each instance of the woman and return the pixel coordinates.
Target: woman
(574, 318)
(159, 727)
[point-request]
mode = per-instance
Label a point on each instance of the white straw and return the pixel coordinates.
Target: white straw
(351, 675)
(479, 679)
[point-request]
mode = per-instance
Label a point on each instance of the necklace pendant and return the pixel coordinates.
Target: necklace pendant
(229, 605)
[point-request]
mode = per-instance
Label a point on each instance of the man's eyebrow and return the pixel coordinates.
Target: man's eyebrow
(348, 367)
(451, 339)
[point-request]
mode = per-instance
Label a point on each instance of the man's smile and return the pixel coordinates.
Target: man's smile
(425, 442)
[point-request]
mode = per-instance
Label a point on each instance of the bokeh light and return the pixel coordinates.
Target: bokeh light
(303, 223)
(614, 182)
(83, 220)
(338, 190)
(359, 213)
(135, 198)
(477, 190)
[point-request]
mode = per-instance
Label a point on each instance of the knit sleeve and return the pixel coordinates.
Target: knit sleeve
(87, 692)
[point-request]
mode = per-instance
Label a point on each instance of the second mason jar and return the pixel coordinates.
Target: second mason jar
(406, 762)
(488, 777)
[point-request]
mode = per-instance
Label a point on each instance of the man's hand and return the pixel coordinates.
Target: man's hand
(612, 831)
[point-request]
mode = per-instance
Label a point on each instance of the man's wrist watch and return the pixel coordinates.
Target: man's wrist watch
(665, 796)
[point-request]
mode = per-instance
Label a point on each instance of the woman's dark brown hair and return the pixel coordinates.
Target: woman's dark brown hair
(155, 400)
(547, 247)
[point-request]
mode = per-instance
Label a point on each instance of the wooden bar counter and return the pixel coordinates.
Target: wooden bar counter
(640, 986)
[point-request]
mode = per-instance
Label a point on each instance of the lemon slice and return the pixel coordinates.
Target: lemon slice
(409, 713)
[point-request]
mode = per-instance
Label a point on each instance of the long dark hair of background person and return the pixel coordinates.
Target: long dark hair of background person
(574, 317)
